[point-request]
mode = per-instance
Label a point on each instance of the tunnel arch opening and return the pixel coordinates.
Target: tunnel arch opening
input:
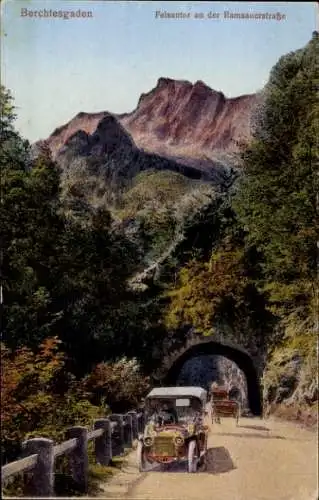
(242, 360)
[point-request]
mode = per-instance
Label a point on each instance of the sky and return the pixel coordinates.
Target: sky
(57, 67)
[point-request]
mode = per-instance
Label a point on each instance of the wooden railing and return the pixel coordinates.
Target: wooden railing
(110, 435)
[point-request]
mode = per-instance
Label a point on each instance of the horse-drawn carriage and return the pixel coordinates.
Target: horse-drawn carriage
(175, 429)
(222, 405)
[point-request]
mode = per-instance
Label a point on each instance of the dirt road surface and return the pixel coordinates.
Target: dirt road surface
(256, 460)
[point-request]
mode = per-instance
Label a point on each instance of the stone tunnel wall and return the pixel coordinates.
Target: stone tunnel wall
(256, 353)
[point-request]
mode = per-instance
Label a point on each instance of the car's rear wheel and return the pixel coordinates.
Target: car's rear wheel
(192, 457)
(203, 456)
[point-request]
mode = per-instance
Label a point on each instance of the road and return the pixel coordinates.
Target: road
(257, 460)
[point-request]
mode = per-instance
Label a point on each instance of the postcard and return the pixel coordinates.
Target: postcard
(159, 255)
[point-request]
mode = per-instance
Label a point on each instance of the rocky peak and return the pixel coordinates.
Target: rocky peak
(84, 122)
(111, 136)
(177, 115)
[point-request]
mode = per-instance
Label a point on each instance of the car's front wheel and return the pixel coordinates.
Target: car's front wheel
(192, 457)
(141, 458)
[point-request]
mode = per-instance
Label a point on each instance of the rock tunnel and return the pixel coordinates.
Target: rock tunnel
(176, 373)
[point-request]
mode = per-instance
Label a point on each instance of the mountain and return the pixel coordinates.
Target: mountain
(179, 126)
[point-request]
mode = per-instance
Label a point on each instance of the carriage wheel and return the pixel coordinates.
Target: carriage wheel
(238, 415)
(192, 459)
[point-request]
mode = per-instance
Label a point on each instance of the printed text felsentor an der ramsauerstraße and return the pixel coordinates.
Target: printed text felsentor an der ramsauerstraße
(269, 16)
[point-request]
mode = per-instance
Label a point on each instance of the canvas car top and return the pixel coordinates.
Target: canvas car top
(178, 392)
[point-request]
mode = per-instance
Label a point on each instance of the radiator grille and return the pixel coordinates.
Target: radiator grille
(163, 446)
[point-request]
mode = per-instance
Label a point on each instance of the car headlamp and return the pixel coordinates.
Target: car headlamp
(179, 440)
(148, 441)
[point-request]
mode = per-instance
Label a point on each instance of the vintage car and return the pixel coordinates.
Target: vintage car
(174, 430)
(222, 405)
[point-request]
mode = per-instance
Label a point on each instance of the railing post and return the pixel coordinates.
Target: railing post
(134, 424)
(42, 476)
(78, 458)
(128, 433)
(117, 435)
(140, 422)
(103, 444)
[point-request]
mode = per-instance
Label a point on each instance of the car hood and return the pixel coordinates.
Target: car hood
(167, 430)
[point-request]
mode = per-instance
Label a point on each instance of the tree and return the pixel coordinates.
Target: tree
(31, 226)
(38, 395)
(94, 265)
(120, 385)
(64, 275)
(222, 290)
(276, 199)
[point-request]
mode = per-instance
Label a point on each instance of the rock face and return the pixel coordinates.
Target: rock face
(180, 117)
(290, 384)
(85, 122)
(290, 379)
(180, 126)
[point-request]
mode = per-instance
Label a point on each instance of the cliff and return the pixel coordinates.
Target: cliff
(192, 119)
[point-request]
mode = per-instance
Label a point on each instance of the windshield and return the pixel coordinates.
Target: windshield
(173, 411)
